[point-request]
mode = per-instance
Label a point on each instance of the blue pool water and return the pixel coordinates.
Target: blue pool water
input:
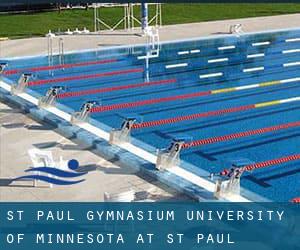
(237, 61)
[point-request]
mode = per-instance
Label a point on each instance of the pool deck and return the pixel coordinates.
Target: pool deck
(18, 133)
(38, 45)
(106, 176)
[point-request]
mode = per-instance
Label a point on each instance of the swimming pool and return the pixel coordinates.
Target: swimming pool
(232, 98)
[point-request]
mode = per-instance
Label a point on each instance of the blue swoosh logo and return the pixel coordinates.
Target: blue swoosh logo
(56, 172)
(48, 179)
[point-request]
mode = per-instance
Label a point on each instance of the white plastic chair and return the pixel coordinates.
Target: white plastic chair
(40, 158)
(77, 31)
(50, 34)
(236, 29)
(85, 31)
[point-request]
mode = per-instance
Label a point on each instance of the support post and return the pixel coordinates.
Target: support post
(144, 16)
(95, 17)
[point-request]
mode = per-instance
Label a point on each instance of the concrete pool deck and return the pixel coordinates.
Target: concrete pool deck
(19, 133)
(108, 176)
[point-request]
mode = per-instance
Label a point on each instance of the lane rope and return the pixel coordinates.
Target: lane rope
(271, 162)
(296, 200)
(191, 117)
(65, 66)
(147, 102)
(160, 122)
(240, 135)
(80, 77)
(111, 89)
(264, 164)
(188, 96)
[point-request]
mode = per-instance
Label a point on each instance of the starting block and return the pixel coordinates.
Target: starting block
(122, 135)
(170, 157)
(230, 186)
(22, 84)
(227, 188)
(50, 97)
(3, 65)
(84, 113)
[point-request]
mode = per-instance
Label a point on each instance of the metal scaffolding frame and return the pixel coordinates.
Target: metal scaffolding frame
(129, 20)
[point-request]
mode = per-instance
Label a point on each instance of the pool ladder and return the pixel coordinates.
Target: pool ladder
(50, 53)
(153, 47)
(61, 53)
